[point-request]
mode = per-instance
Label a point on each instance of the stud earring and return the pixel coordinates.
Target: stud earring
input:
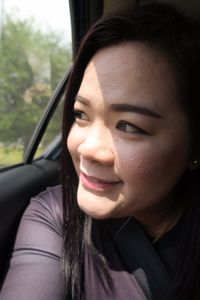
(193, 164)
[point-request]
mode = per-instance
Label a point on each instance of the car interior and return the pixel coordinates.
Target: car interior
(20, 182)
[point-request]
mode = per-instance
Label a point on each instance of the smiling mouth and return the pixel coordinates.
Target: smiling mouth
(97, 184)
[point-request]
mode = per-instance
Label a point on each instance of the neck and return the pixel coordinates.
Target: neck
(157, 224)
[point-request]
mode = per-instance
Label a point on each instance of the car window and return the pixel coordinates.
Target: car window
(53, 131)
(35, 49)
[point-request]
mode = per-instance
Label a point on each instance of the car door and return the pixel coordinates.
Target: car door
(21, 179)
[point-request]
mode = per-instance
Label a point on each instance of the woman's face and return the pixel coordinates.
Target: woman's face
(130, 139)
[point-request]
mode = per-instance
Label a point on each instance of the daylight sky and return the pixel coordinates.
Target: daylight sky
(49, 14)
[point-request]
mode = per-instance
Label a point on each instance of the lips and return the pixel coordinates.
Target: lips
(95, 183)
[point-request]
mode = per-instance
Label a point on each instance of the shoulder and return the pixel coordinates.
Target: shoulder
(49, 200)
(51, 195)
(41, 226)
(47, 206)
(35, 266)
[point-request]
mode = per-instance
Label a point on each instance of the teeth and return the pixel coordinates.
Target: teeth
(96, 180)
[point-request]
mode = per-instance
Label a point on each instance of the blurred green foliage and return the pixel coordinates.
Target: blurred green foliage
(32, 64)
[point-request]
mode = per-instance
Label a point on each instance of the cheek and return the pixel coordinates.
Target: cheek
(152, 163)
(73, 143)
(135, 163)
(150, 172)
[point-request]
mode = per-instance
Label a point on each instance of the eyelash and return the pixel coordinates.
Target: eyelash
(77, 114)
(121, 125)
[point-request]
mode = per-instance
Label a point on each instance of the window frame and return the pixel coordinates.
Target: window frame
(45, 119)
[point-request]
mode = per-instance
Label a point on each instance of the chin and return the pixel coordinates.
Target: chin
(95, 211)
(95, 214)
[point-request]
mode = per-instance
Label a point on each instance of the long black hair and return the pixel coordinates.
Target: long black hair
(176, 36)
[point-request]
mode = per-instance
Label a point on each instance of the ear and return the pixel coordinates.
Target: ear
(194, 164)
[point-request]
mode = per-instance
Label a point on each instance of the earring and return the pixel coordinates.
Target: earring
(193, 164)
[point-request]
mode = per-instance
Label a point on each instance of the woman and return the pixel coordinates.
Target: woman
(130, 170)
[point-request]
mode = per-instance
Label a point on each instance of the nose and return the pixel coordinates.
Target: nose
(97, 147)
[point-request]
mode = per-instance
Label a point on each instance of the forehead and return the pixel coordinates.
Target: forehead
(131, 71)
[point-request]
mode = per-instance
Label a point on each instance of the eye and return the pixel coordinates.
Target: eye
(130, 128)
(78, 114)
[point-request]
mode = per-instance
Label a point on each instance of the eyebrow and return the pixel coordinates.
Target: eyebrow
(82, 100)
(125, 107)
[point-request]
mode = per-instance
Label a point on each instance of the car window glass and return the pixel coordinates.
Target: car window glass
(53, 131)
(35, 49)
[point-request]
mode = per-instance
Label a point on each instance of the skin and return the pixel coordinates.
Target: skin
(129, 162)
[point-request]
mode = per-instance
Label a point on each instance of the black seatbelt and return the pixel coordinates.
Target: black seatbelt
(140, 258)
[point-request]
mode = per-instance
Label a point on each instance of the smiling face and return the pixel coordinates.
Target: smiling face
(130, 139)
